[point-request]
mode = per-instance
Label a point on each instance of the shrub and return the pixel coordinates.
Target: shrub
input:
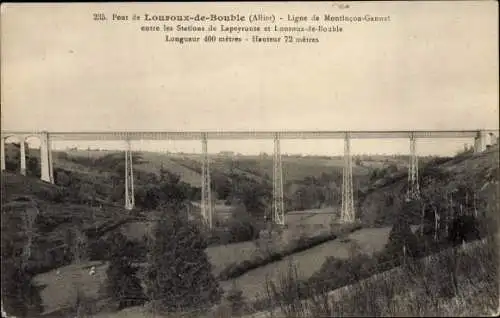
(242, 226)
(287, 293)
(402, 241)
(463, 228)
(99, 250)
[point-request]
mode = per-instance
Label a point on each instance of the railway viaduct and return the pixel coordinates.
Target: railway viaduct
(482, 138)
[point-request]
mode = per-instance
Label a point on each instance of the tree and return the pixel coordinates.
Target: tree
(253, 195)
(242, 226)
(62, 178)
(87, 193)
(402, 241)
(221, 185)
(122, 284)
(20, 296)
(375, 174)
(76, 242)
(33, 167)
(392, 168)
(179, 276)
(463, 228)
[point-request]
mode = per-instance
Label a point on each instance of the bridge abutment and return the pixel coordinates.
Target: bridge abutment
(46, 166)
(484, 139)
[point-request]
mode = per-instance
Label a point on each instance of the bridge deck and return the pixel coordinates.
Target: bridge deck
(249, 135)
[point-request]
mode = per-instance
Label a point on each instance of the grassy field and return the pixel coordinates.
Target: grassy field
(222, 255)
(302, 224)
(312, 217)
(367, 240)
(60, 287)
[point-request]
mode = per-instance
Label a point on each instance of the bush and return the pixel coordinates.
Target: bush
(33, 167)
(242, 226)
(99, 250)
(62, 177)
(463, 228)
(402, 241)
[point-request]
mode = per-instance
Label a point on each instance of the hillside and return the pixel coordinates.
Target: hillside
(415, 289)
(66, 211)
(382, 201)
(55, 218)
(189, 166)
(456, 188)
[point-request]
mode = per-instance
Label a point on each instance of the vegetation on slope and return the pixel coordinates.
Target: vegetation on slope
(454, 208)
(454, 185)
(19, 295)
(77, 214)
(455, 282)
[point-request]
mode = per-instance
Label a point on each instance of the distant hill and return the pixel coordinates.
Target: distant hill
(188, 166)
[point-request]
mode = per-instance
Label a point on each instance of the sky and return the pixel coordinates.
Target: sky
(433, 66)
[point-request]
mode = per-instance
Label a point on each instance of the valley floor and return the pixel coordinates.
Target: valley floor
(252, 283)
(61, 284)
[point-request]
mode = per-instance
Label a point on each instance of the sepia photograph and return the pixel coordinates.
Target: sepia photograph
(250, 159)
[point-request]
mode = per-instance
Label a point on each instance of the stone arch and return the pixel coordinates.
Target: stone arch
(33, 144)
(11, 153)
(12, 139)
(19, 163)
(26, 137)
(5, 137)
